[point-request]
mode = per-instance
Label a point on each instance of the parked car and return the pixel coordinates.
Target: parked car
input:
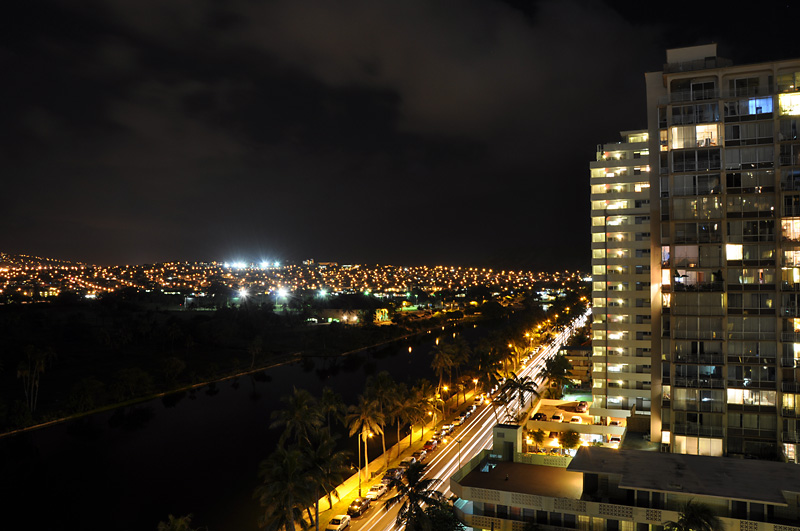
(447, 429)
(419, 456)
(615, 423)
(582, 407)
(376, 491)
(392, 473)
(407, 462)
(458, 421)
(539, 416)
(358, 507)
(338, 523)
(576, 419)
(557, 417)
(431, 445)
(615, 441)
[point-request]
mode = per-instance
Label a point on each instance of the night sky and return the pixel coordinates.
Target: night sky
(360, 131)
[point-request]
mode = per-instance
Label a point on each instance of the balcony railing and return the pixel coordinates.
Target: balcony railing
(790, 387)
(790, 362)
(714, 359)
(694, 429)
(704, 383)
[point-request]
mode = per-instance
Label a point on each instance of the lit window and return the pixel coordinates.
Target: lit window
(733, 251)
(789, 104)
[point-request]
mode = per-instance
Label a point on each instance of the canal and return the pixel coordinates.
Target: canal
(193, 452)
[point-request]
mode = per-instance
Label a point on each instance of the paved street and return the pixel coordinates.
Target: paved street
(475, 435)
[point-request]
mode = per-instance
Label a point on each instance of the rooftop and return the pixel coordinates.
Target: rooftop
(720, 477)
(522, 478)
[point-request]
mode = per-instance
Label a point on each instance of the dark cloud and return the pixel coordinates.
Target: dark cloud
(408, 132)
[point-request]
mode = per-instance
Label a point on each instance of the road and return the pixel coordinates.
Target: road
(475, 435)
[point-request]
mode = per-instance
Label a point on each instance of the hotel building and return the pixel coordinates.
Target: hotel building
(725, 255)
(621, 331)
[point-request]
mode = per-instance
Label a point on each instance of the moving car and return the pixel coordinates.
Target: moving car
(338, 523)
(376, 491)
(358, 507)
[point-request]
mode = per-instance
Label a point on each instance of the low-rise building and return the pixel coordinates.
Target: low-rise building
(603, 489)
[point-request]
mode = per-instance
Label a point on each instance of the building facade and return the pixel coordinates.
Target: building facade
(621, 293)
(603, 489)
(725, 256)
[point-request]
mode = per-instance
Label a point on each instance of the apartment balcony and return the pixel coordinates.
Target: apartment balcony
(699, 383)
(791, 336)
(709, 406)
(706, 358)
(694, 429)
(764, 336)
(790, 436)
(790, 387)
(790, 311)
(790, 362)
(753, 360)
(751, 384)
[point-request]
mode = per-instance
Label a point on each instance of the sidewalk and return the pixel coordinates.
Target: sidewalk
(348, 491)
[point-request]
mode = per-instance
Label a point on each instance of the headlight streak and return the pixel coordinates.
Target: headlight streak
(476, 435)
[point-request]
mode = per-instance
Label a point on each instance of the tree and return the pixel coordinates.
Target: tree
(300, 417)
(569, 439)
(180, 523)
(331, 404)
(364, 419)
(695, 517)
(382, 389)
(255, 349)
(413, 493)
(443, 518)
(521, 385)
(538, 437)
(30, 371)
(286, 489)
(557, 370)
(326, 467)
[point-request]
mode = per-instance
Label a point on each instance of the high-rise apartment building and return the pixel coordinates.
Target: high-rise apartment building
(725, 257)
(621, 331)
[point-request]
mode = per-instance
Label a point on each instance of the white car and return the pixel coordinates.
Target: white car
(376, 491)
(338, 523)
(575, 419)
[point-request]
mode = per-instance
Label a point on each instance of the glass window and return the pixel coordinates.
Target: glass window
(789, 104)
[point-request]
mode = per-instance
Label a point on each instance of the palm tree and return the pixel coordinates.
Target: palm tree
(521, 385)
(442, 362)
(695, 517)
(400, 413)
(382, 389)
(413, 493)
(300, 417)
(557, 370)
(286, 489)
(327, 468)
(364, 419)
(331, 404)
